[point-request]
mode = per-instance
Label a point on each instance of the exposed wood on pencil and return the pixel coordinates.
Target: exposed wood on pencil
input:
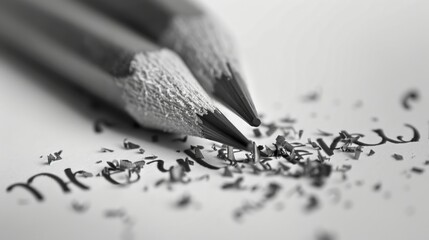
(150, 83)
(197, 37)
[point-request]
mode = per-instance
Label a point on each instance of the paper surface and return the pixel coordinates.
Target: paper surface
(360, 57)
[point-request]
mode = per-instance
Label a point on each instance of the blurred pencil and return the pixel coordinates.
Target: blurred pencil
(150, 83)
(197, 37)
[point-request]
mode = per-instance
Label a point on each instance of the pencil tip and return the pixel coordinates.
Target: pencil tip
(218, 128)
(231, 90)
(256, 122)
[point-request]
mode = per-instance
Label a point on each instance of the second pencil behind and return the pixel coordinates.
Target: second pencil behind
(202, 42)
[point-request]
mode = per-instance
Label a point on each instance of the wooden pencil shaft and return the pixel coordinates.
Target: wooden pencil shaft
(84, 47)
(153, 16)
(82, 31)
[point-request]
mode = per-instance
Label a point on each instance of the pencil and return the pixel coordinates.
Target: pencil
(201, 41)
(150, 83)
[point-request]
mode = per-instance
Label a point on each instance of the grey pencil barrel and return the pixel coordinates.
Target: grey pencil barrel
(152, 17)
(202, 42)
(150, 83)
(71, 38)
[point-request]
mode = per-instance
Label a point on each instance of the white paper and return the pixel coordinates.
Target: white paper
(368, 53)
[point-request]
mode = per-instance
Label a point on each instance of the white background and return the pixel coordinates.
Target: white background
(348, 51)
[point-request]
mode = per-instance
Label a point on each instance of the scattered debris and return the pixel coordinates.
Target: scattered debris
(288, 120)
(85, 174)
(198, 153)
(312, 204)
(159, 165)
(417, 170)
(185, 164)
(130, 145)
(300, 134)
(79, 207)
(184, 201)
(54, 157)
(410, 96)
(227, 172)
(115, 213)
(273, 189)
(311, 97)
(139, 164)
(272, 128)
(257, 132)
(288, 157)
(234, 185)
(177, 174)
(377, 187)
(230, 153)
(325, 236)
(255, 153)
(125, 164)
(398, 157)
(358, 151)
(103, 150)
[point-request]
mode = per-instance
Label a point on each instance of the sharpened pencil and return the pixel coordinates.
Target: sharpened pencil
(197, 37)
(150, 83)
